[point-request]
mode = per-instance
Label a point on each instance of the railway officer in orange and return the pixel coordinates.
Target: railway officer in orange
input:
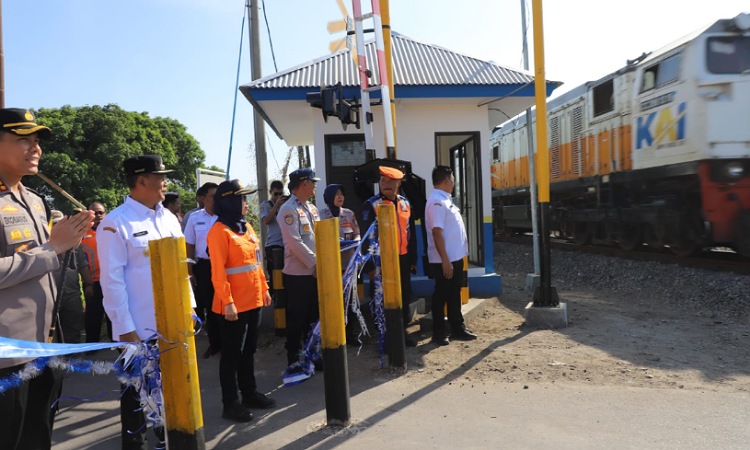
(94, 313)
(389, 184)
(447, 245)
(240, 291)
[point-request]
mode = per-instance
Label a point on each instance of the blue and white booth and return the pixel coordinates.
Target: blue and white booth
(446, 107)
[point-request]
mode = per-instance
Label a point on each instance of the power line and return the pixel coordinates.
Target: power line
(270, 41)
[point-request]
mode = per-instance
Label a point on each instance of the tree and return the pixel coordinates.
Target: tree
(89, 144)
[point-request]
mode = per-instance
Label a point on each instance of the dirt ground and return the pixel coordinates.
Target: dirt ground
(610, 341)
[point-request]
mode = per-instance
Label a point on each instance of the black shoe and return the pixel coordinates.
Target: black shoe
(410, 341)
(210, 351)
(258, 401)
(463, 335)
(237, 413)
(440, 340)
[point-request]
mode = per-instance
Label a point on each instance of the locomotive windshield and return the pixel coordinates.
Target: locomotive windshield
(728, 54)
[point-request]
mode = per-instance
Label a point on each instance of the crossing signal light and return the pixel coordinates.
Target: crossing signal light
(331, 101)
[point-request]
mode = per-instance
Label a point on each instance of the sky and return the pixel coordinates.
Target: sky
(179, 58)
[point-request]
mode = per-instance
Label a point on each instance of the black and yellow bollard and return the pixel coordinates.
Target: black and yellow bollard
(279, 294)
(391, 276)
(178, 363)
(332, 330)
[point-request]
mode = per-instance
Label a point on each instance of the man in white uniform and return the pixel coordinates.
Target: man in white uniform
(196, 231)
(446, 247)
(122, 239)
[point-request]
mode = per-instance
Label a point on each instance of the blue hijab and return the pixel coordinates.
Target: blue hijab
(229, 211)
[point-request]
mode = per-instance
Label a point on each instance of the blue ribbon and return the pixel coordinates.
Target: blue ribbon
(16, 348)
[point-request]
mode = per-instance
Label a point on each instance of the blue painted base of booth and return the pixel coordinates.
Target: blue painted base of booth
(480, 284)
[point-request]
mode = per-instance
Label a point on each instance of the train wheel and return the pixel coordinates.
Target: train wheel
(631, 236)
(651, 238)
(684, 249)
(581, 233)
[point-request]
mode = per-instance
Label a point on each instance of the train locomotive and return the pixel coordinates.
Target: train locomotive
(656, 153)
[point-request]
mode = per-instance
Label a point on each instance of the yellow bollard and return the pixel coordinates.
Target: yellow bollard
(332, 331)
(279, 294)
(391, 276)
(178, 363)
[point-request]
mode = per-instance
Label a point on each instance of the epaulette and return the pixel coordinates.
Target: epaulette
(47, 208)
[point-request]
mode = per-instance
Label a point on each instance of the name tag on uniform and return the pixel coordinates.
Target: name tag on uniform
(140, 233)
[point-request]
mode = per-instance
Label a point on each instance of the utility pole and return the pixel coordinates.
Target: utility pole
(261, 160)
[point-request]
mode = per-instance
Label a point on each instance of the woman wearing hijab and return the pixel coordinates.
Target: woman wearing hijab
(240, 292)
(334, 198)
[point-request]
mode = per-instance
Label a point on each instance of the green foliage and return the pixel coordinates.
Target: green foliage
(89, 144)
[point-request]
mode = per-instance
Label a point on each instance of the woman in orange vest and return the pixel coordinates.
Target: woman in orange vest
(240, 291)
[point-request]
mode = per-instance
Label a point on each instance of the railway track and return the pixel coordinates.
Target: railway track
(719, 259)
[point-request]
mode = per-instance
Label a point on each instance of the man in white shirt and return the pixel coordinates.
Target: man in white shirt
(447, 245)
(122, 239)
(196, 231)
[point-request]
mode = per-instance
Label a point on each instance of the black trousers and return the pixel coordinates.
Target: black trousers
(239, 339)
(405, 272)
(133, 421)
(71, 317)
(447, 292)
(301, 311)
(204, 298)
(27, 416)
(95, 314)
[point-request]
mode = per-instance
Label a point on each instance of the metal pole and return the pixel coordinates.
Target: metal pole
(385, 91)
(261, 160)
(332, 328)
(386, 22)
(544, 296)
(530, 150)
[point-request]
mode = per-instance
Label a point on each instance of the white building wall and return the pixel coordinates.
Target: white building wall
(416, 125)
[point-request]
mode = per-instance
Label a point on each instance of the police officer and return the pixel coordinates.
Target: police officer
(28, 259)
(122, 239)
(297, 218)
(389, 184)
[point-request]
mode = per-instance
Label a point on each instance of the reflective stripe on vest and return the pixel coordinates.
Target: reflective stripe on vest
(403, 211)
(241, 269)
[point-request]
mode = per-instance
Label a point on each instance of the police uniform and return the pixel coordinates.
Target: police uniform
(297, 218)
(348, 230)
(27, 295)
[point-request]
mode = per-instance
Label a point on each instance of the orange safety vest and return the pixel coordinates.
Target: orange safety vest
(403, 212)
(236, 268)
(88, 244)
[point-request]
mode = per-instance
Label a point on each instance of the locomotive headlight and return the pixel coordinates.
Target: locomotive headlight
(734, 170)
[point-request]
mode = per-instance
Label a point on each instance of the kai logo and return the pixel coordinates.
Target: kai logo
(662, 128)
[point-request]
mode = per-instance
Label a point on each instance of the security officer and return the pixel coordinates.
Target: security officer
(122, 239)
(389, 184)
(28, 259)
(297, 218)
